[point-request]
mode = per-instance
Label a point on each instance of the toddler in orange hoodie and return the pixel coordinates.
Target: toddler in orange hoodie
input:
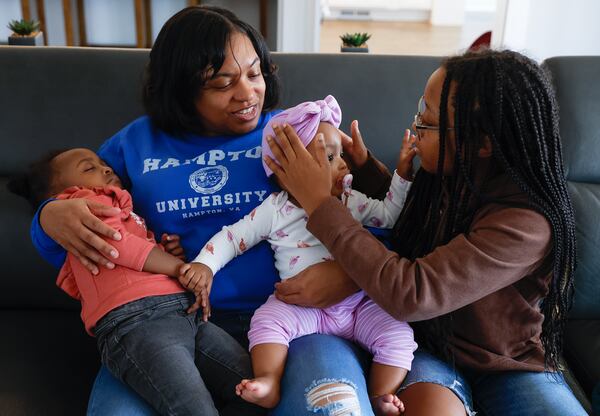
(147, 331)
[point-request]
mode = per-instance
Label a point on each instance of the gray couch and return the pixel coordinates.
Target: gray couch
(59, 97)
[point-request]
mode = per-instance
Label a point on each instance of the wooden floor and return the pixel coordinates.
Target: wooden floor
(401, 38)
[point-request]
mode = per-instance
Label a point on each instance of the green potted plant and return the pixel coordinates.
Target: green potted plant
(25, 33)
(355, 42)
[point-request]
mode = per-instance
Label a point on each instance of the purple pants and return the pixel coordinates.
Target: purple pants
(356, 318)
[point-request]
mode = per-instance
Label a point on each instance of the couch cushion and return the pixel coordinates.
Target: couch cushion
(582, 349)
(27, 280)
(586, 202)
(578, 94)
(48, 363)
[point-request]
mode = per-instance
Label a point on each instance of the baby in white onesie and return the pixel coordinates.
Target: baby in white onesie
(282, 222)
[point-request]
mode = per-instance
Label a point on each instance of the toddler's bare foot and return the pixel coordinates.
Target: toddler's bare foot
(387, 405)
(263, 391)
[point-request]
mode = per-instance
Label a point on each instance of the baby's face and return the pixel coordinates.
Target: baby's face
(82, 167)
(333, 149)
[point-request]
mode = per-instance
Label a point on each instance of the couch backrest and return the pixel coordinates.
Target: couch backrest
(53, 98)
(67, 97)
(578, 92)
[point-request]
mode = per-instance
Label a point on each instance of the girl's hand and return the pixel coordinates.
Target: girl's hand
(354, 147)
(74, 225)
(172, 245)
(318, 286)
(407, 154)
(307, 177)
(193, 276)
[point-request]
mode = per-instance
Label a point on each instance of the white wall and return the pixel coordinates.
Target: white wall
(298, 26)
(9, 10)
(447, 13)
(546, 28)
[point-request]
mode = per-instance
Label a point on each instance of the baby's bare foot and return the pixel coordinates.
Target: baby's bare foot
(387, 405)
(263, 391)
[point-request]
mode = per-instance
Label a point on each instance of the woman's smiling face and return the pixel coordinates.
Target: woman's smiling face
(232, 100)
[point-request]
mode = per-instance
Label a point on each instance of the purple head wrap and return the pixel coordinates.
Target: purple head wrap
(305, 119)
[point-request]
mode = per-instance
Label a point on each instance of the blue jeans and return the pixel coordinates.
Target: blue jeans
(509, 393)
(176, 362)
(312, 361)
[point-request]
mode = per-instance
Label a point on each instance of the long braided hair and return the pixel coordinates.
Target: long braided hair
(506, 97)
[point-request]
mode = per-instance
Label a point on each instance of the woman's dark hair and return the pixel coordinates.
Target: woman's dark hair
(35, 184)
(508, 98)
(191, 42)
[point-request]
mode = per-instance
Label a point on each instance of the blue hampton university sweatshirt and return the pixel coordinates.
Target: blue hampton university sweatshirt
(192, 186)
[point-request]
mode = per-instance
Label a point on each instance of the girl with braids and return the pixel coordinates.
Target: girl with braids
(484, 251)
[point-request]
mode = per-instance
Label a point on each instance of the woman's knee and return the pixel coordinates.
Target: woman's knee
(324, 376)
(333, 397)
(431, 399)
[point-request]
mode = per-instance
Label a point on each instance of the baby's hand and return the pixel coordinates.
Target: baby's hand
(407, 154)
(197, 278)
(172, 245)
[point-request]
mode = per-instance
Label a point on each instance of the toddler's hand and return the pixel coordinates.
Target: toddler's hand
(407, 154)
(172, 245)
(197, 278)
(203, 300)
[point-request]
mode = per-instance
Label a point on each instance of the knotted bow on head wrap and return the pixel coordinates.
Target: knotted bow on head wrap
(305, 119)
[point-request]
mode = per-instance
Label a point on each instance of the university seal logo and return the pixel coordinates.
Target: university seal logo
(209, 180)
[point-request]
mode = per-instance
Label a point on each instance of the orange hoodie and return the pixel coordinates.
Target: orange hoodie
(126, 282)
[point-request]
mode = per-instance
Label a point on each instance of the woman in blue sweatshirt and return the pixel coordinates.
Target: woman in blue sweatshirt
(192, 165)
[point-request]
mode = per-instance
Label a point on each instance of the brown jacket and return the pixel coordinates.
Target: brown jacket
(492, 277)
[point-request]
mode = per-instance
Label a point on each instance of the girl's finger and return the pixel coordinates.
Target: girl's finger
(275, 147)
(321, 153)
(275, 168)
(285, 144)
(288, 287)
(346, 140)
(356, 135)
(195, 306)
(294, 140)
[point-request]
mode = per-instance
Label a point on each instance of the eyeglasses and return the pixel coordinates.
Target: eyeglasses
(419, 119)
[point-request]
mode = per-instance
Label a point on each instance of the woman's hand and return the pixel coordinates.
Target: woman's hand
(354, 148)
(75, 226)
(307, 177)
(172, 245)
(318, 286)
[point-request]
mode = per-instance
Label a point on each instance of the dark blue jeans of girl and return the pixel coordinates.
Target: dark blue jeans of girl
(174, 360)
